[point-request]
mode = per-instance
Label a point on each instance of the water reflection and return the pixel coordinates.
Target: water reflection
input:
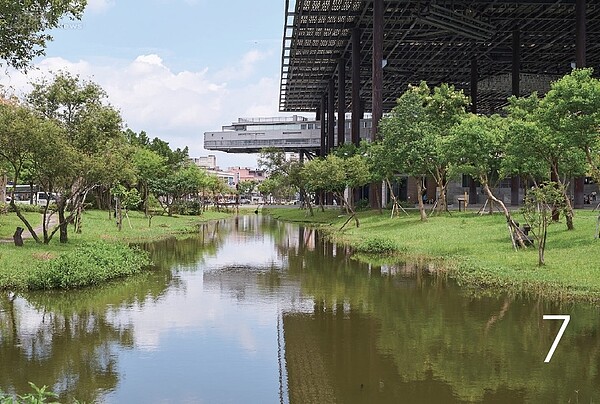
(254, 310)
(385, 334)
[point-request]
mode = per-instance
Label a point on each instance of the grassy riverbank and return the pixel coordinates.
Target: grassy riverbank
(92, 257)
(477, 250)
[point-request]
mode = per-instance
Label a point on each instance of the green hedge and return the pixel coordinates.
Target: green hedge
(89, 264)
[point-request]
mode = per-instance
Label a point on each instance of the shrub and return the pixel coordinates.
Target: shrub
(25, 207)
(189, 208)
(39, 395)
(377, 245)
(362, 204)
(89, 264)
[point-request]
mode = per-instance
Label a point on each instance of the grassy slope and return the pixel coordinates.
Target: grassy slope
(15, 261)
(477, 249)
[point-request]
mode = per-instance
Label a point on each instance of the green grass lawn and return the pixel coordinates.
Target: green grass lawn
(15, 262)
(477, 249)
(10, 221)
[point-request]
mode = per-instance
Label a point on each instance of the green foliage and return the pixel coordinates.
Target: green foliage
(476, 146)
(129, 198)
(285, 177)
(540, 204)
(415, 133)
(39, 395)
(25, 24)
(362, 204)
(88, 264)
(25, 207)
(246, 187)
(189, 208)
(572, 108)
(377, 245)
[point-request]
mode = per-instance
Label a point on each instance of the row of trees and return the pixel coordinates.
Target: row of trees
(65, 137)
(544, 141)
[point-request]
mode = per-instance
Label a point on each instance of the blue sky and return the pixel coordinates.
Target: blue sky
(174, 68)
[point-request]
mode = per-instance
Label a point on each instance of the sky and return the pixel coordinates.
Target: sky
(174, 68)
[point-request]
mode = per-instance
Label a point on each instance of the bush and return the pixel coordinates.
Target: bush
(89, 264)
(362, 204)
(193, 208)
(377, 245)
(25, 207)
(39, 395)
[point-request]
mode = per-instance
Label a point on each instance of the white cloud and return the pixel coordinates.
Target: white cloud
(245, 68)
(177, 106)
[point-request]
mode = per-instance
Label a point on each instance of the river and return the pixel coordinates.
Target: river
(252, 310)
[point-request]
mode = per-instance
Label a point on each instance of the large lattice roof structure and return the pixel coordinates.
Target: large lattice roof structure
(436, 41)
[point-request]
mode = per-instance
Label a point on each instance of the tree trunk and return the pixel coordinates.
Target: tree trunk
(3, 181)
(306, 200)
(119, 214)
(422, 212)
(14, 206)
(569, 207)
(63, 224)
(352, 212)
(78, 211)
(542, 239)
(17, 237)
(442, 202)
(512, 226)
(146, 193)
(377, 189)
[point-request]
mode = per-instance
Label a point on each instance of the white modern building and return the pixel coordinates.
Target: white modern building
(292, 134)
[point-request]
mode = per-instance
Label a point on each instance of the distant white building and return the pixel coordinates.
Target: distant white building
(209, 162)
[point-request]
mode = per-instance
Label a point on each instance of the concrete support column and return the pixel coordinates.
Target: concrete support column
(515, 183)
(330, 115)
(580, 54)
(516, 62)
(323, 148)
(580, 35)
(341, 112)
(472, 191)
(356, 107)
(377, 96)
(474, 78)
(377, 73)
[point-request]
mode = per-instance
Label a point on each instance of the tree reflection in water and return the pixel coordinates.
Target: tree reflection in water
(384, 334)
(67, 340)
(350, 332)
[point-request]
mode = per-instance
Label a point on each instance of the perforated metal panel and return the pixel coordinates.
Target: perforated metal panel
(433, 41)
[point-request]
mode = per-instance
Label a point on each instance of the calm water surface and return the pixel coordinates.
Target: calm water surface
(256, 311)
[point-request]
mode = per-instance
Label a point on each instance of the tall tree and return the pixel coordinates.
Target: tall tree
(537, 139)
(92, 127)
(572, 108)
(335, 174)
(407, 146)
(24, 26)
(285, 175)
(149, 166)
(417, 130)
(26, 140)
(476, 147)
